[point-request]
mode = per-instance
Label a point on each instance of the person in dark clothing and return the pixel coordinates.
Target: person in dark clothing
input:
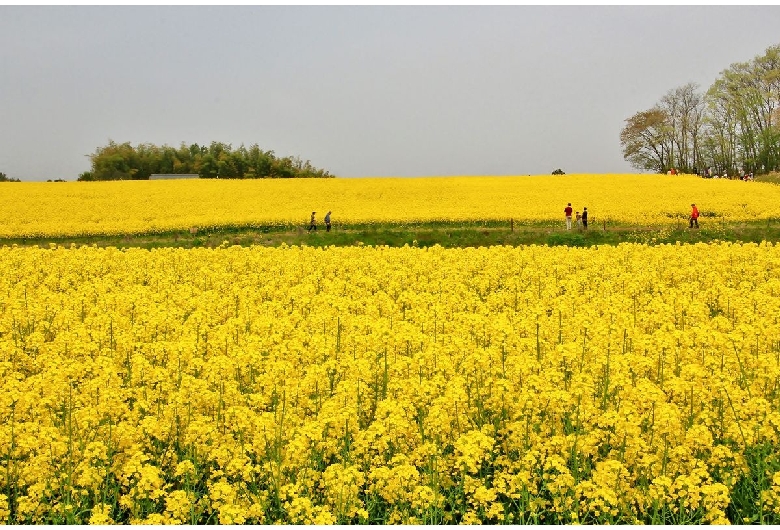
(313, 223)
(327, 222)
(585, 218)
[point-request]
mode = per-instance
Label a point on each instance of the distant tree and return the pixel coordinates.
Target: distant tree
(684, 107)
(720, 129)
(646, 140)
(669, 135)
(208, 168)
(748, 94)
(558, 171)
(114, 162)
(259, 161)
(217, 160)
(735, 124)
(4, 178)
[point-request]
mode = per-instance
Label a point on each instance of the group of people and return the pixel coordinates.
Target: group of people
(709, 173)
(581, 219)
(313, 222)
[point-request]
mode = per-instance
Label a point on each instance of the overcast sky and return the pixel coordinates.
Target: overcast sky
(359, 91)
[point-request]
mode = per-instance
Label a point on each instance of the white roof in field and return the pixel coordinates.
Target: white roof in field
(169, 176)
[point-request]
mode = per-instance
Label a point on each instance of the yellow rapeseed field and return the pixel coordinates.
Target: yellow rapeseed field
(80, 208)
(260, 385)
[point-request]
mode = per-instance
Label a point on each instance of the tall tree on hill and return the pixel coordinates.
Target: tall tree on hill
(720, 128)
(746, 90)
(734, 125)
(684, 107)
(668, 135)
(646, 140)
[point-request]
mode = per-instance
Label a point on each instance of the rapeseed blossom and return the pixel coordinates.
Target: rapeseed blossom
(627, 384)
(129, 207)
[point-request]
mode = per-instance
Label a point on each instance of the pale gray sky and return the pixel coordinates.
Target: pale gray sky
(359, 91)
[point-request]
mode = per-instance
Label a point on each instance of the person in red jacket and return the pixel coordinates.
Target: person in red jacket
(694, 216)
(568, 211)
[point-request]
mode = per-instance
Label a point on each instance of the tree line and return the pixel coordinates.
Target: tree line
(217, 160)
(733, 126)
(4, 178)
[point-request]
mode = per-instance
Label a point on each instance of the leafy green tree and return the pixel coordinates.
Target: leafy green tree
(260, 162)
(739, 89)
(217, 160)
(558, 171)
(208, 168)
(151, 159)
(743, 102)
(114, 162)
(735, 124)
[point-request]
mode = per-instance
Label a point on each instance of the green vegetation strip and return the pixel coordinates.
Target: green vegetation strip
(448, 235)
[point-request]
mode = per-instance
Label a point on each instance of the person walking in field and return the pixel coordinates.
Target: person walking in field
(578, 218)
(585, 218)
(694, 216)
(568, 211)
(313, 222)
(327, 222)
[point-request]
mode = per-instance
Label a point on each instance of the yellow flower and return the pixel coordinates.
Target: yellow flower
(121, 207)
(4, 511)
(101, 515)
(313, 386)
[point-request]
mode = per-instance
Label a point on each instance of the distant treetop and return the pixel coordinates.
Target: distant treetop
(218, 160)
(4, 178)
